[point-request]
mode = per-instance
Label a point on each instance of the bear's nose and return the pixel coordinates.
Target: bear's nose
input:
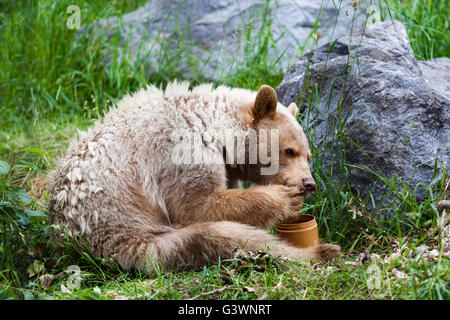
(309, 184)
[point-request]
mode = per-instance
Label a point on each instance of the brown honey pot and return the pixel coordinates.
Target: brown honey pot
(301, 233)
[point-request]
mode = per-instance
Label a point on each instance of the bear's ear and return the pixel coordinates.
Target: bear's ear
(293, 110)
(265, 103)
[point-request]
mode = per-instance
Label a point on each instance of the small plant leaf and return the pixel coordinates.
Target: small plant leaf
(4, 167)
(27, 295)
(26, 164)
(35, 268)
(33, 150)
(17, 195)
(7, 294)
(5, 146)
(34, 213)
(23, 218)
(5, 204)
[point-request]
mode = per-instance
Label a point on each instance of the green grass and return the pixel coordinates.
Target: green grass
(54, 82)
(427, 24)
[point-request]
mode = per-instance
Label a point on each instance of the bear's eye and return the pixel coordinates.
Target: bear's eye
(289, 152)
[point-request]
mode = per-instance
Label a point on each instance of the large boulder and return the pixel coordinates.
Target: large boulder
(212, 38)
(390, 112)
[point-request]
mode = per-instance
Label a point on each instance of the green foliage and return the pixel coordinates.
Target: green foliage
(54, 80)
(52, 71)
(22, 225)
(257, 68)
(427, 24)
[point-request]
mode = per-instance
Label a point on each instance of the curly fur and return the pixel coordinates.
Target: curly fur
(118, 189)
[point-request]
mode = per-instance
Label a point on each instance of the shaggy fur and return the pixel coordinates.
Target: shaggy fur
(118, 188)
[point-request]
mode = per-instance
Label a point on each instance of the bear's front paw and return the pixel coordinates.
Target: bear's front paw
(291, 201)
(280, 202)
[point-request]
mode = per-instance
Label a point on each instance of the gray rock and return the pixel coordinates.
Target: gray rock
(392, 111)
(212, 38)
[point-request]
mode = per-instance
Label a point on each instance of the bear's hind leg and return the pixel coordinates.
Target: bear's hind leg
(202, 244)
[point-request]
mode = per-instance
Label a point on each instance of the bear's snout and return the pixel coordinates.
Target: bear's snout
(309, 185)
(305, 185)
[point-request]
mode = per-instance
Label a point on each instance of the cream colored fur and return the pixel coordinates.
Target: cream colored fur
(117, 187)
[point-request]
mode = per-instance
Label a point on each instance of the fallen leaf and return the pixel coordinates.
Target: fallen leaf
(46, 280)
(393, 257)
(433, 253)
(116, 296)
(375, 258)
(400, 275)
(64, 289)
(363, 257)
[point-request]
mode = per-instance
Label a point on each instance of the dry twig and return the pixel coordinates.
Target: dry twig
(219, 290)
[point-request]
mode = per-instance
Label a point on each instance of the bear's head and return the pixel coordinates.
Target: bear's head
(281, 138)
